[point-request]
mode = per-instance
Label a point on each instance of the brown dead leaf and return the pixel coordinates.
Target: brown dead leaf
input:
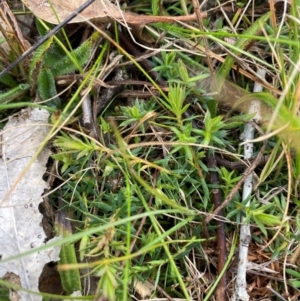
(144, 289)
(101, 11)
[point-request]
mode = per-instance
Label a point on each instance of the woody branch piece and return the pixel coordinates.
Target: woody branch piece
(217, 197)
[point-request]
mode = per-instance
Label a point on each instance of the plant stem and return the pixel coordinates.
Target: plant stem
(222, 254)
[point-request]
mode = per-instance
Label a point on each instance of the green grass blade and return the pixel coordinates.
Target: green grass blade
(240, 44)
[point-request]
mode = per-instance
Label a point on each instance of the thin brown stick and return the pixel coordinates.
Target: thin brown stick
(242, 164)
(23, 43)
(208, 58)
(222, 254)
(162, 291)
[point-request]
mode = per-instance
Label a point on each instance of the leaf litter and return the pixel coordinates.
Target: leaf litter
(20, 219)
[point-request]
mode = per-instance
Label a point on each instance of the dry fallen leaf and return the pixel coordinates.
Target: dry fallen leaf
(20, 227)
(144, 289)
(101, 11)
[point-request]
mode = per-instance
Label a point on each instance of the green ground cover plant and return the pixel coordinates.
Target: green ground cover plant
(147, 155)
